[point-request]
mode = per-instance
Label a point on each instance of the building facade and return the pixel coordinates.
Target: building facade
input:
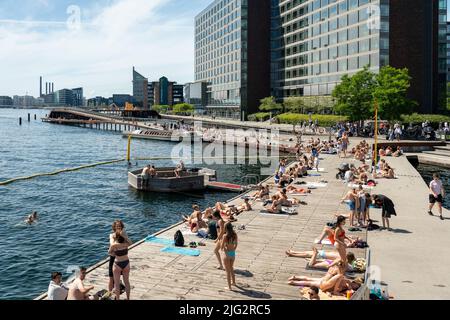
(140, 90)
(232, 55)
(448, 51)
(313, 43)
(165, 92)
(121, 99)
(195, 94)
(77, 100)
(6, 101)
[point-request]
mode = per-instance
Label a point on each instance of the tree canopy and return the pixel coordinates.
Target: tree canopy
(269, 104)
(183, 108)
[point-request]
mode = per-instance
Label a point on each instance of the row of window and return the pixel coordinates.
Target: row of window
(221, 9)
(213, 52)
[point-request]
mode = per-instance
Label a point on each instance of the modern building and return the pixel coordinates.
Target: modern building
(121, 99)
(77, 100)
(64, 97)
(140, 90)
(6, 102)
(195, 94)
(232, 55)
(24, 101)
(448, 51)
(313, 43)
(98, 102)
(165, 92)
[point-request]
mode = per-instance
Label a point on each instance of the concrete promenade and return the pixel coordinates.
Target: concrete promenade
(415, 257)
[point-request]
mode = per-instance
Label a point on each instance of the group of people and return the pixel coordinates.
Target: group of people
(389, 152)
(119, 266)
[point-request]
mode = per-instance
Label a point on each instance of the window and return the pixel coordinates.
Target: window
(384, 44)
(324, 41)
(364, 61)
(343, 21)
(342, 65)
(316, 17)
(333, 38)
(333, 53)
(324, 27)
(343, 6)
(353, 48)
(353, 4)
(364, 45)
(315, 31)
(363, 30)
(333, 11)
(353, 63)
(352, 18)
(332, 66)
(374, 60)
(324, 54)
(342, 50)
(374, 43)
(324, 14)
(352, 33)
(363, 15)
(343, 36)
(333, 24)
(324, 68)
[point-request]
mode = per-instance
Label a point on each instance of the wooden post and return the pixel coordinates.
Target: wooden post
(375, 147)
(20, 121)
(34, 117)
(29, 117)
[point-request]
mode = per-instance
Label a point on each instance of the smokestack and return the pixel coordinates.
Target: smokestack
(53, 87)
(40, 87)
(46, 88)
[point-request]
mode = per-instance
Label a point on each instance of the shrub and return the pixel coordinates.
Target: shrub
(260, 116)
(324, 120)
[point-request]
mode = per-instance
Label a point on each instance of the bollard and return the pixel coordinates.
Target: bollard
(29, 117)
(20, 121)
(34, 117)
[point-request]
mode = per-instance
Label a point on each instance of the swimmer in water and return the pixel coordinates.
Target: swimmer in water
(32, 218)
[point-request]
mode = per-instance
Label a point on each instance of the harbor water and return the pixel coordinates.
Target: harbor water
(76, 209)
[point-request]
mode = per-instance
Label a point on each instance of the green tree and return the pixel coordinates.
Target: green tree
(294, 104)
(183, 108)
(269, 104)
(354, 95)
(391, 93)
(160, 108)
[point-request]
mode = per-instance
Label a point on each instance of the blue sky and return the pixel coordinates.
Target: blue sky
(43, 37)
(40, 37)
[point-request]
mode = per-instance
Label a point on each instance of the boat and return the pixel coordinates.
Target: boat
(163, 135)
(193, 179)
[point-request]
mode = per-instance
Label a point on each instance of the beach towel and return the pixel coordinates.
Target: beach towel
(324, 241)
(182, 251)
(153, 239)
(314, 175)
(298, 194)
(188, 233)
(352, 185)
(320, 170)
(317, 184)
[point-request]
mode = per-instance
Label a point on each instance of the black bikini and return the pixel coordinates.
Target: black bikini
(120, 253)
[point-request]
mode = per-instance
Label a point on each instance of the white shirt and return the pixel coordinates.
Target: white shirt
(436, 186)
(56, 292)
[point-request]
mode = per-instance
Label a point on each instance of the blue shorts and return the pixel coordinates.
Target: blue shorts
(351, 205)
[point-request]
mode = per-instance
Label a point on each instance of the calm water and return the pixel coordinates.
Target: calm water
(76, 209)
(426, 171)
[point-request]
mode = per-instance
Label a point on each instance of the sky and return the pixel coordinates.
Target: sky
(95, 44)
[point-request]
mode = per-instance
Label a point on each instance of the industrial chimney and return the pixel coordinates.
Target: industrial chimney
(46, 88)
(40, 87)
(53, 87)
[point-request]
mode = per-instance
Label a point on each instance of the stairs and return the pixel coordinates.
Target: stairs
(440, 156)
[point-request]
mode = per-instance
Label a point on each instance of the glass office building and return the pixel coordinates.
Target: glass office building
(313, 43)
(226, 33)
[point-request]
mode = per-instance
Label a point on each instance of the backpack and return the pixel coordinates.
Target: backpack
(179, 239)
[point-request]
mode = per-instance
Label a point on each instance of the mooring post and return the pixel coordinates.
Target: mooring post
(34, 117)
(20, 121)
(29, 117)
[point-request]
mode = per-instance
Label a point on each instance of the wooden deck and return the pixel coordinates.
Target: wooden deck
(262, 267)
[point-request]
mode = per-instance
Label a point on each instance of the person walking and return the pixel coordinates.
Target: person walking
(437, 194)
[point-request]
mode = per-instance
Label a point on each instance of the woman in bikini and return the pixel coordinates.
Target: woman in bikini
(339, 239)
(318, 262)
(228, 245)
(117, 227)
(121, 264)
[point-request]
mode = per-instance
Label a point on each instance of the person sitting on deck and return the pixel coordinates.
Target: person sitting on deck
(227, 212)
(246, 206)
(195, 220)
(275, 206)
(398, 152)
(152, 172)
(263, 193)
(77, 290)
(56, 289)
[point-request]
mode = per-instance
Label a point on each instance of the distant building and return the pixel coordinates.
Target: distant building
(98, 102)
(64, 97)
(195, 94)
(120, 99)
(77, 100)
(164, 92)
(6, 101)
(23, 101)
(140, 90)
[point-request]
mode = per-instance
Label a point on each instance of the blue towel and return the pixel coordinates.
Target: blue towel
(153, 239)
(183, 251)
(314, 175)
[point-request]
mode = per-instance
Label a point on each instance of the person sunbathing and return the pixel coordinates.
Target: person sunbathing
(246, 206)
(318, 263)
(331, 282)
(321, 254)
(398, 152)
(292, 189)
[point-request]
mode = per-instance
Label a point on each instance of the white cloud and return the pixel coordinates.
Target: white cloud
(101, 54)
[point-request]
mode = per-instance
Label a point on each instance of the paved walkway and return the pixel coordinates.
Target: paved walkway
(414, 258)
